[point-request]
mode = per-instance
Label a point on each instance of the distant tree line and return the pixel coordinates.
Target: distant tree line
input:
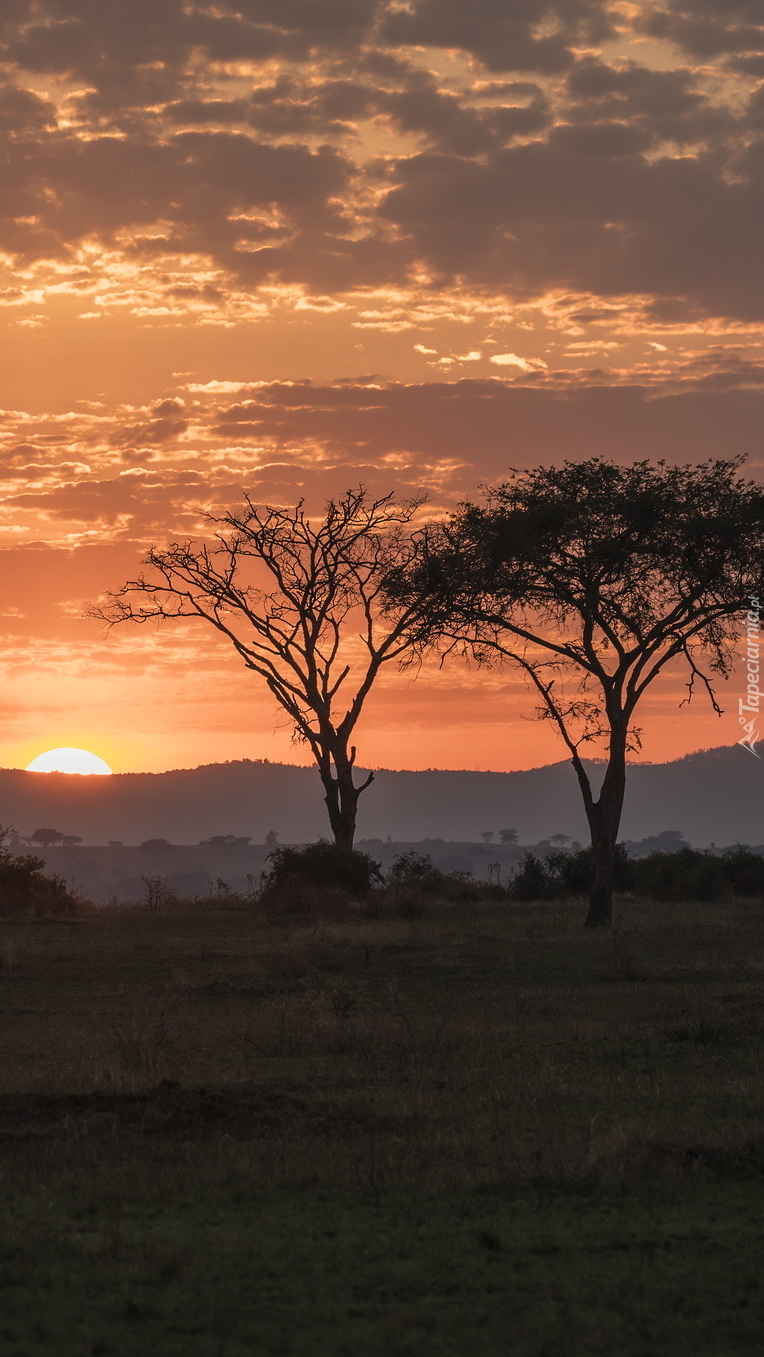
(589, 578)
(671, 875)
(48, 838)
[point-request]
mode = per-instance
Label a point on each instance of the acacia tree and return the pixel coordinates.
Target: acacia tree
(46, 837)
(300, 604)
(593, 578)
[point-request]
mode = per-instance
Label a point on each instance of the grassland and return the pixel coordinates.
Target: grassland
(479, 1131)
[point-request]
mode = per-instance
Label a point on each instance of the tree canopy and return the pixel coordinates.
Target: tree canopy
(593, 578)
(299, 602)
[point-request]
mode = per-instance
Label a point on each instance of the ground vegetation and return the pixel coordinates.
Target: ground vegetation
(396, 1135)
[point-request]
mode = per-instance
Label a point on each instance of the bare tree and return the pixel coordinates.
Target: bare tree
(299, 602)
(156, 889)
(593, 578)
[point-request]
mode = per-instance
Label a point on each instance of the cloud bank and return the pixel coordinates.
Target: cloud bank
(293, 247)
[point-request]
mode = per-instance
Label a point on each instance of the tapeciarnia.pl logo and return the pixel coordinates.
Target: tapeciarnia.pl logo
(750, 706)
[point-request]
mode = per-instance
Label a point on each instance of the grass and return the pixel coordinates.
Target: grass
(481, 1130)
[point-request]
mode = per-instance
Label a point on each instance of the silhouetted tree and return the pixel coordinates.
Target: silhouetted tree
(46, 837)
(508, 835)
(593, 578)
(25, 888)
(226, 841)
(315, 634)
(156, 890)
(157, 847)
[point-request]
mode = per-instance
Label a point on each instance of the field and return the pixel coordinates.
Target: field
(483, 1130)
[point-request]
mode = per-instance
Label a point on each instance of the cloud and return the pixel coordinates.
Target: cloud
(504, 37)
(22, 111)
(586, 210)
(705, 28)
(85, 478)
(532, 199)
(513, 360)
(220, 153)
(500, 422)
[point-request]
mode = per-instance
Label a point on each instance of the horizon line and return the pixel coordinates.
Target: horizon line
(487, 772)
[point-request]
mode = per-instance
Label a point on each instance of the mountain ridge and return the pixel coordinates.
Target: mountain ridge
(714, 795)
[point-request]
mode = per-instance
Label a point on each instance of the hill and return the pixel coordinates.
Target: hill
(716, 795)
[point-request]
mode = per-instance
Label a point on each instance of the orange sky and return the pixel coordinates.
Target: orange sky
(290, 247)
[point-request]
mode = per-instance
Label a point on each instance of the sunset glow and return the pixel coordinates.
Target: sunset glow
(292, 249)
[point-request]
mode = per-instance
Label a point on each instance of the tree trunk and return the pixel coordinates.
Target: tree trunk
(604, 822)
(601, 899)
(341, 797)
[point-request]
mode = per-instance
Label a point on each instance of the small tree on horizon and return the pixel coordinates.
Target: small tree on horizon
(46, 837)
(299, 602)
(592, 578)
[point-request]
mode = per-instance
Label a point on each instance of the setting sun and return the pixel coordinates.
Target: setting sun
(67, 760)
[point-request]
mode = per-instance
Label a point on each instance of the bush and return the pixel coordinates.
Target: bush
(679, 874)
(690, 874)
(686, 875)
(567, 874)
(318, 876)
(534, 881)
(413, 876)
(25, 888)
(744, 870)
(417, 870)
(574, 872)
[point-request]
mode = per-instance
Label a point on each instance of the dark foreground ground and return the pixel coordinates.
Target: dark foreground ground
(482, 1131)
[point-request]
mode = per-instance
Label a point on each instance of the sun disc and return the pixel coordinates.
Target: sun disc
(67, 760)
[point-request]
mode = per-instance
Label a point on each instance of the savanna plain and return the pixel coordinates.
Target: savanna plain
(431, 1127)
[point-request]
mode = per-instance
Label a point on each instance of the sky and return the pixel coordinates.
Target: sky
(292, 247)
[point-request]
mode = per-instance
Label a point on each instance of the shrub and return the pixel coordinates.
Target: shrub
(574, 872)
(744, 870)
(678, 874)
(534, 881)
(25, 888)
(686, 875)
(567, 874)
(417, 870)
(320, 875)
(413, 876)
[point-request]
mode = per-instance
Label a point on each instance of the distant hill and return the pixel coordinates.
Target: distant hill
(716, 795)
